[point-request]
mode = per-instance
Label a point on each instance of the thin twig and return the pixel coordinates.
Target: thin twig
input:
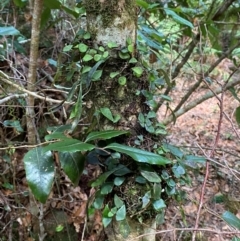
(12, 96)
(189, 230)
(207, 162)
(6, 80)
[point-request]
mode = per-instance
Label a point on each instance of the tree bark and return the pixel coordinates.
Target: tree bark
(32, 74)
(113, 21)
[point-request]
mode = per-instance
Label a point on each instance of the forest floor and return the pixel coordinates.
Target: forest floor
(196, 132)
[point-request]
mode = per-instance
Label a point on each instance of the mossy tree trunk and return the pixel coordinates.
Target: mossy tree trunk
(114, 21)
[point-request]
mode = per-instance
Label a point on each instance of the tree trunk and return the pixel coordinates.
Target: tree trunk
(113, 21)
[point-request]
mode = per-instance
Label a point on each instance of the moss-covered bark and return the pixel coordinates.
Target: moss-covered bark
(122, 100)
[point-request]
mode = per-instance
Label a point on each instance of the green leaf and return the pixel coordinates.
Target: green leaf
(146, 199)
(106, 188)
(87, 36)
(98, 201)
(112, 45)
(159, 204)
(92, 71)
(124, 229)
(45, 17)
(114, 74)
(97, 57)
(122, 80)
(130, 48)
(39, 167)
(108, 114)
(156, 191)
(67, 48)
(70, 11)
(124, 55)
(121, 213)
(97, 75)
(102, 178)
(56, 136)
(118, 181)
(160, 218)
(177, 18)
(53, 4)
(104, 135)
(69, 145)
(105, 54)
(140, 180)
(139, 155)
(138, 71)
(133, 61)
(141, 119)
(231, 219)
(237, 115)
(142, 4)
(59, 228)
(118, 201)
(82, 47)
(112, 212)
(8, 31)
(178, 170)
(101, 48)
(151, 176)
(20, 3)
(86, 69)
(72, 164)
(122, 170)
(173, 149)
(106, 219)
(87, 57)
(13, 123)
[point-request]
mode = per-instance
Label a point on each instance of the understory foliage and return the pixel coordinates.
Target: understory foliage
(139, 170)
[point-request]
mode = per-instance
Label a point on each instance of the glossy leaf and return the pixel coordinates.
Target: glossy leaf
(106, 188)
(69, 145)
(53, 4)
(156, 191)
(13, 123)
(39, 167)
(104, 135)
(4, 31)
(151, 176)
(173, 149)
(72, 164)
(237, 114)
(146, 199)
(102, 178)
(121, 213)
(231, 219)
(178, 170)
(139, 155)
(177, 18)
(118, 181)
(118, 201)
(159, 204)
(106, 219)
